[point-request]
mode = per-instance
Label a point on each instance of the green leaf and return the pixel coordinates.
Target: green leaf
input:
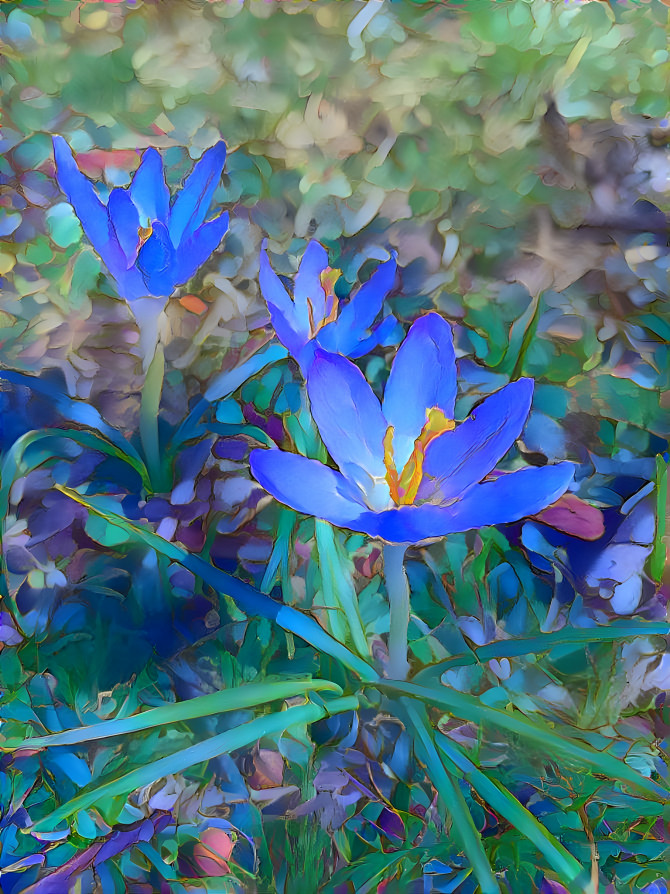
(452, 798)
(14, 465)
(338, 587)
(224, 743)
(77, 411)
(152, 390)
(222, 386)
(516, 648)
(288, 618)
(503, 802)
(248, 696)
(537, 732)
(658, 556)
(279, 558)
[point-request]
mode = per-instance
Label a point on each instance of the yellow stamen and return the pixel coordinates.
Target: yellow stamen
(143, 233)
(391, 471)
(404, 487)
(328, 278)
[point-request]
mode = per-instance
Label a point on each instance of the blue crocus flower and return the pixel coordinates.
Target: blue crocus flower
(313, 319)
(407, 471)
(149, 244)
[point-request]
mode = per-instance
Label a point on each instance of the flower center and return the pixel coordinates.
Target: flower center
(404, 487)
(328, 278)
(143, 233)
(155, 252)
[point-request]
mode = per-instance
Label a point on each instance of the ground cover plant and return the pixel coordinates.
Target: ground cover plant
(334, 430)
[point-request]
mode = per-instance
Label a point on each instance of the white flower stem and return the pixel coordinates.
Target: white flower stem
(150, 316)
(397, 588)
(149, 407)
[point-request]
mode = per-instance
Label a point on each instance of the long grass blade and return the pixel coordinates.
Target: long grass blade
(337, 588)
(503, 802)
(14, 465)
(250, 600)
(224, 385)
(249, 696)
(536, 732)
(78, 411)
(224, 743)
(452, 797)
(535, 645)
(657, 562)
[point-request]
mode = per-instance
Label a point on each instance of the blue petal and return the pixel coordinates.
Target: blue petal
(190, 206)
(308, 285)
(125, 220)
(388, 332)
(350, 421)
(193, 253)
(359, 313)
(305, 356)
(513, 496)
(148, 189)
(130, 284)
(87, 206)
(282, 310)
(460, 458)
(506, 499)
(156, 260)
(306, 485)
(423, 375)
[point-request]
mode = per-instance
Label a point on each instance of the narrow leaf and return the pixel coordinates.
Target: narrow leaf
(503, 802)
(452, 798)
(518, 648)
(339, 588)
(78, 411)
(537, 732)
(657, 561)
(248, 696)
(250, 600)
(224, 743)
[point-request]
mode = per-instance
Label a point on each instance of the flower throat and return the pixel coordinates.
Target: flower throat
(404, 487)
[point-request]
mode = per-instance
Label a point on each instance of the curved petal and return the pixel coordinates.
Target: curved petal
(130, 284)
(156, 260)
(359, 313)
(305, 356)
(460, 458)
(148, 189)
(191, 204)
(126, 221)
(350, 420)
(282, 310)
(512, 496)
(308, 284)
(89, 209)
(423, 376)
(306, 485)
(506, 499)
(388, 332)
(193, 253)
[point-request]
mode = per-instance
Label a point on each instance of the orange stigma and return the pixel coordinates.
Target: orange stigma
(404, 487)
(328, 278)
